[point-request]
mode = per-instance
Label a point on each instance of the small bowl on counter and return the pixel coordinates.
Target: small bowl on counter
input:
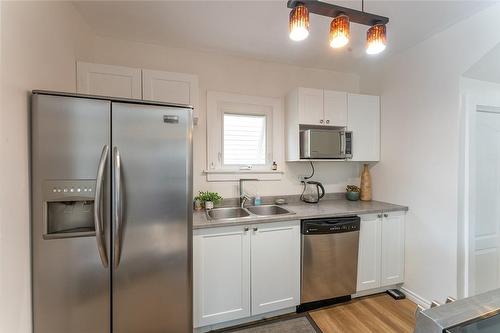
(352, 196)
(352, 192)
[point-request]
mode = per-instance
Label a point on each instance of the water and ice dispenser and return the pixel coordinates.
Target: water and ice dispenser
(68, 208)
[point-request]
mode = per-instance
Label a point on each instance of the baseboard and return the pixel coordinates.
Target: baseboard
(243, 320)
(412, 296)
(373, 291)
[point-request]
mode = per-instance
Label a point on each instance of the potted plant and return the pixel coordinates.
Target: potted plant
(209, 199)
(352, 192)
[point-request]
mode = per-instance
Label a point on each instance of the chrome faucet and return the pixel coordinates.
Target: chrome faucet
(244, 197)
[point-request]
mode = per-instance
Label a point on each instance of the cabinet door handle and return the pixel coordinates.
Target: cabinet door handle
(379, 216)
(321, 121)
(255, 229)
(386, 215)
(245, 229)
(328, 121)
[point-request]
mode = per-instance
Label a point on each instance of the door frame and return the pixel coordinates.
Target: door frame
(475, 95)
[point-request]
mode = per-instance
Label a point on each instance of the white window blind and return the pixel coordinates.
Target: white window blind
(244, 139)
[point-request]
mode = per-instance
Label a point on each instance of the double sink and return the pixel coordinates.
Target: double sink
(233, 213)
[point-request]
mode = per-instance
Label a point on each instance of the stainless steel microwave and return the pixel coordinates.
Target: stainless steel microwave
(325, 143)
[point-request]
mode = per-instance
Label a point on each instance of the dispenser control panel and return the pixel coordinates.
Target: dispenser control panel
(55, 190)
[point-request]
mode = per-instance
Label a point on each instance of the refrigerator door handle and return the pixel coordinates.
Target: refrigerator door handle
(99, 232)
(117, 207)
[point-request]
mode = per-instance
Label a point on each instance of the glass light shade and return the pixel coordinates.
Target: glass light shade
(298, 24)
(339, 31)
(376, 39)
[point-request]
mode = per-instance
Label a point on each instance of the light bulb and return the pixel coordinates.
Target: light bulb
(376, 39)
(298, 24)
(339, 31)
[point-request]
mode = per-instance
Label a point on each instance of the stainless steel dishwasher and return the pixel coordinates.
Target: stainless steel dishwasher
(329, 258)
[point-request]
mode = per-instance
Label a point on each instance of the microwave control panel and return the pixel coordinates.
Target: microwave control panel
(348, 144)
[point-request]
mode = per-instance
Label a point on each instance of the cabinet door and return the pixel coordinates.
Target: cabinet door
(393, 248)
(107, 80)
(369, 253)
(311, 106)
(275, 266)
(363, 119)
(221, 271)
(335, 108)
(170, 87)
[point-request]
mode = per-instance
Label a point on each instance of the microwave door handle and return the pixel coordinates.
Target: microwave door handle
(99, 232)
(342, 143)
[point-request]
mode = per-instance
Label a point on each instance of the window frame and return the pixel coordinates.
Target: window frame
(216, 102)
(269, 146)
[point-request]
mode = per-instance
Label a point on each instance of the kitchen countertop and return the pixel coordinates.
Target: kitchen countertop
(461, 312)
(325, 208)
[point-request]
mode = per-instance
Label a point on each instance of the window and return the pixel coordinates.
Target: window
(244, 135)
(244, 139)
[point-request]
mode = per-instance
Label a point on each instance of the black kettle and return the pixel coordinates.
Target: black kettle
(313, 191)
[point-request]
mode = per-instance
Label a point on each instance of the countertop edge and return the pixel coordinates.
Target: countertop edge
(261, 220)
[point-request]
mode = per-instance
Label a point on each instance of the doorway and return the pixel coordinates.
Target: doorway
(481, 189)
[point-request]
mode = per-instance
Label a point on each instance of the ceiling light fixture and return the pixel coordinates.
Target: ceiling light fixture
(339, 31)
(298, 24)
(376, 37)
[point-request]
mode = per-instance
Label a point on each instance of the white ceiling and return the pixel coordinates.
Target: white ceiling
(487, 68)
(259, 29)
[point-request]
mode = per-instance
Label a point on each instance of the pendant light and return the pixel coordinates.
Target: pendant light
(298, 24)
(339, 36)
(339, 31)
(376, 39)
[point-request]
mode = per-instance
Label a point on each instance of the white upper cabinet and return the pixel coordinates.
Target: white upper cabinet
(275, 266)
(363, 119)
(393, 246)
(108, 80)
(221, 272)
(136, 83)
(319, 107)
(170, 87)
(310, 106)
(369, 252)
(335, 108)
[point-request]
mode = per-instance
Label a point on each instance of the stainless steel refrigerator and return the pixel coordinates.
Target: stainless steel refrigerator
(111, 183)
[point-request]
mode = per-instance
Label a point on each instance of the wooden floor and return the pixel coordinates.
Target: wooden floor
(371, 314)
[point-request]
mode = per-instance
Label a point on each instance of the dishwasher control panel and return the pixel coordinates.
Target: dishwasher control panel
(331, 225)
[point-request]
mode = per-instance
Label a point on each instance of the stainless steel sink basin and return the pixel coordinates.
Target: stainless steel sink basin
(227, 213)
(268, 210)
(236, 213)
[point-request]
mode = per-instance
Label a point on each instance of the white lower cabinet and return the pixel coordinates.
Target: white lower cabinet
(393, 249)
(381, 250)
(275, 266)
(242, 271)
(369, 252)
(221, 270)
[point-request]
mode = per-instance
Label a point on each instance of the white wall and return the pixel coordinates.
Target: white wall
(236, 75)
(40, 42)
(420, 145)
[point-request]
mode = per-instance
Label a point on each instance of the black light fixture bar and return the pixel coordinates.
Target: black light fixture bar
(330, 10)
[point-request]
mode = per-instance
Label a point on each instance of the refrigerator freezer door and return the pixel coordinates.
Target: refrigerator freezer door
(152, 269)
(71, 285)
